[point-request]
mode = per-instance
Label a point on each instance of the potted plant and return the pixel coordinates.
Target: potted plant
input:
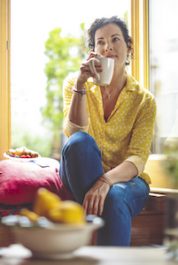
(171, 160)
(171, 227)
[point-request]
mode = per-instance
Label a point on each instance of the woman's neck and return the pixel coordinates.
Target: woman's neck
(118, 82)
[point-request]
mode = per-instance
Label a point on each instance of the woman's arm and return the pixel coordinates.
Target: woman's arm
(139, 146)
(78, 112)
(122, 173)
(75, 105)
(94, 199)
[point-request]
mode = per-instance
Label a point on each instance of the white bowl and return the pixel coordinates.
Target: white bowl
(56, 239)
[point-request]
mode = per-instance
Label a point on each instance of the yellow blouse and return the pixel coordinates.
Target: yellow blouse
(127, 134)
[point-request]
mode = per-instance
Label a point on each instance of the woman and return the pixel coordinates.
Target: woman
(110, 131)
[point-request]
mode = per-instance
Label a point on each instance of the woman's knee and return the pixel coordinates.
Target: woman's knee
(116, 212)
(128, 197)
(115, 198)
(78, 142)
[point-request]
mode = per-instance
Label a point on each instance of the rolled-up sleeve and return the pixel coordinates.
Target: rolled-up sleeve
(70, 127)
(142, 134)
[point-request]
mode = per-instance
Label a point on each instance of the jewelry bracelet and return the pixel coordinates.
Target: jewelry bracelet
(81, 91)
(106, 180)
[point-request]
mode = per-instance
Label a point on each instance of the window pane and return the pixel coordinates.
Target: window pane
(163, 67)
(31, 22)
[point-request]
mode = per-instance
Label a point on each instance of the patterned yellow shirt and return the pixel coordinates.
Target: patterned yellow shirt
(127, 134)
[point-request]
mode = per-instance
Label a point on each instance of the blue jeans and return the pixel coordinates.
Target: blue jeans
(80, 167)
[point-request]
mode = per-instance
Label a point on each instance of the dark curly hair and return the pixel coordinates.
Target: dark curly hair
(100, 22)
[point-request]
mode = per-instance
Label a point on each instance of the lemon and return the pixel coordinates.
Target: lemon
(50, 205)
(45, 201)
(31, 215)
(55, 215)
(72, 213)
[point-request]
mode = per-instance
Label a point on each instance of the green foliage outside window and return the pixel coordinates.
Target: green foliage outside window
(65, 54)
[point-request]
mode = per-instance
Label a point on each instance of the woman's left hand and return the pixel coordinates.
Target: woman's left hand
(93, 202)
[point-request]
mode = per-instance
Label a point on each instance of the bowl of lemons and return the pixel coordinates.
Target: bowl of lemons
(53, 228)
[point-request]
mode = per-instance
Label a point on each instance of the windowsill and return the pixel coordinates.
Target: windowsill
(163, 190)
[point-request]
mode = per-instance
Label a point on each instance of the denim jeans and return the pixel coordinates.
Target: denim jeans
(80, 167)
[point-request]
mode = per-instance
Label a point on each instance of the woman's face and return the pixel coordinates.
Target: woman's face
(109, 42)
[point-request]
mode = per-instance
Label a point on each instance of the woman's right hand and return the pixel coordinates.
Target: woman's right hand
(94, 199)
(85, 71)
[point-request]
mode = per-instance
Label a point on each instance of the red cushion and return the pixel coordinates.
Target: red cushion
(19, 181)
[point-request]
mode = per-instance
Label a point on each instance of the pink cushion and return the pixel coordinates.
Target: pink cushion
(19, 181)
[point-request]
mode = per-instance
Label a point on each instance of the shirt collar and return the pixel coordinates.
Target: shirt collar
(132, 84)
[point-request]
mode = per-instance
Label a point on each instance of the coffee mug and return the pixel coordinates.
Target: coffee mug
(104, 78)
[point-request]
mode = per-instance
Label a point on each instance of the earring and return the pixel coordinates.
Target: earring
(127, 61)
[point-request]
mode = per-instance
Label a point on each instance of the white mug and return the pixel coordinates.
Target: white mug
(104, 78)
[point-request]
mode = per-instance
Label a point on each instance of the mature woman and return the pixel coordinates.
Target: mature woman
(110, 131)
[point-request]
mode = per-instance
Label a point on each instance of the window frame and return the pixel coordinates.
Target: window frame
(140, 35)
(139, 31)
(5, 119)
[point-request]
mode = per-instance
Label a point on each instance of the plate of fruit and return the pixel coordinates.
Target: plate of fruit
(21, 154)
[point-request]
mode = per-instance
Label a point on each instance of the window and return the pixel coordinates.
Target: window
(163, 68)
(28, 80)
